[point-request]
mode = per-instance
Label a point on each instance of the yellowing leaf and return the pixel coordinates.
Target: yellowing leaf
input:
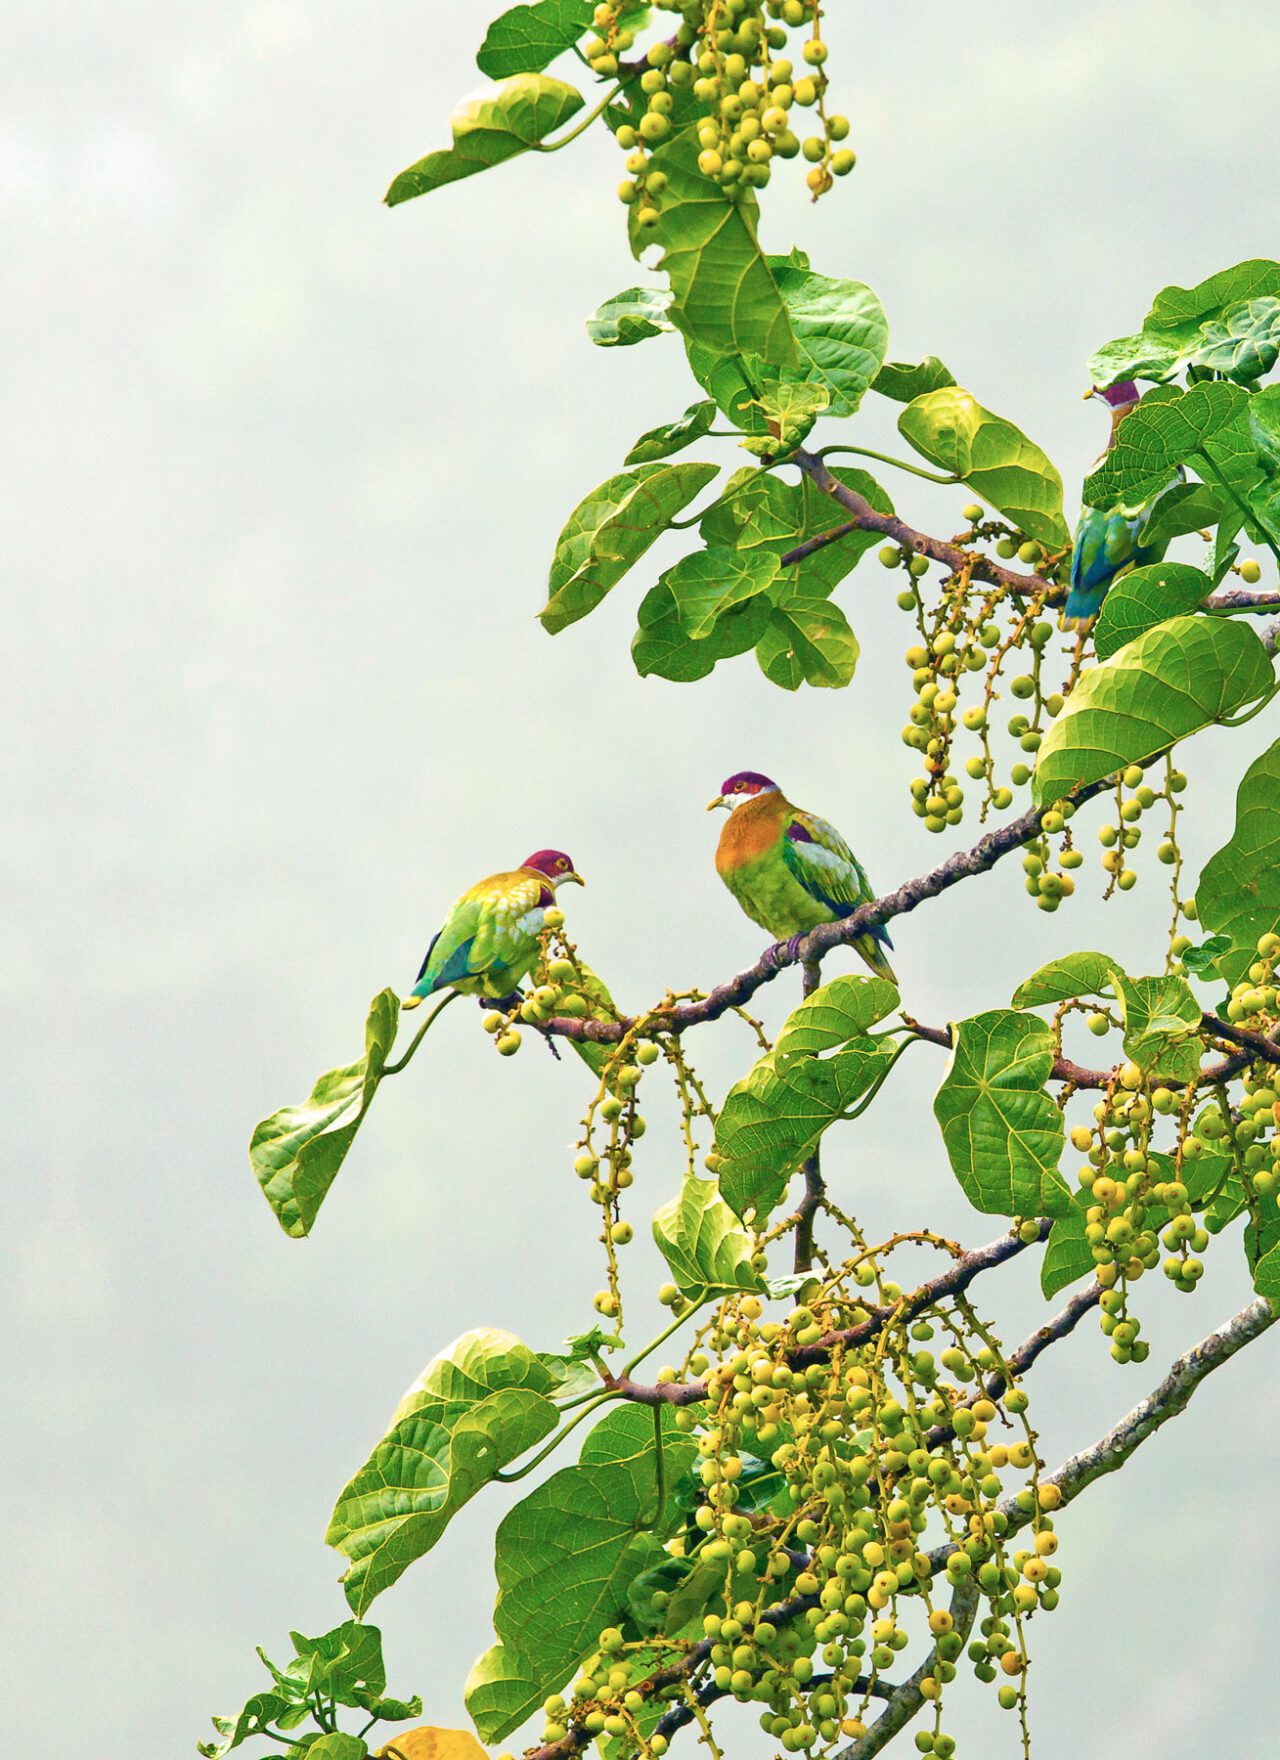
(429, 1743)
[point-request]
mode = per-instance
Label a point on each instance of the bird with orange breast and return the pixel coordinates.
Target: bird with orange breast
(790, 870)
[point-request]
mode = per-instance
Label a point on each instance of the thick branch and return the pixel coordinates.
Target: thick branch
(866, 519)
(907, 1699)
(1074, 1476)
(980, 568)
(1172, 1396)
(957, 1277)
(811, 1167)
(1077, 1075)
(735, 991)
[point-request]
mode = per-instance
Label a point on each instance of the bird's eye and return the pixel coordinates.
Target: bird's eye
(562, 864)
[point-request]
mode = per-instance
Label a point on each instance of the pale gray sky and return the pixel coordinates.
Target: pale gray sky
(282, 472)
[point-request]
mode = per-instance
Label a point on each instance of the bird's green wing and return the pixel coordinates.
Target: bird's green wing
(448, 959)
(823, 863)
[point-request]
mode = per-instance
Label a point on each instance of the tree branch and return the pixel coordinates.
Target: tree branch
(1171, 1397)
(1074, 1476)
(814, 1184)
(866, 519)
(956, 1278)
(962, 865)
(907, 1699)
(955, 556)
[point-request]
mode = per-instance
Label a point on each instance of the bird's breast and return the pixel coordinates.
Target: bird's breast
(751, 833)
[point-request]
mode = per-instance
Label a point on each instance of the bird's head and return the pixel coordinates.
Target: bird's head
(1120, 399)
(743, 785)
(555, 865)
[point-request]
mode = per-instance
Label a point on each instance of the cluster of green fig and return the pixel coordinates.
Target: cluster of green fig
(1135, 797)
(722, 68)
(560, 990)
(973, 628)
(848, 1491)
(1150, 1207)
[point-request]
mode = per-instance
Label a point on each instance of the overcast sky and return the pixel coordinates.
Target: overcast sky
(282, 472)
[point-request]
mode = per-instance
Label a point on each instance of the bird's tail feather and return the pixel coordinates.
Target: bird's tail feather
(873, 953)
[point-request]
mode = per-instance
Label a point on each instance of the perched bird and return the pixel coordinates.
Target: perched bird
(1106, 540)
(788, 869)
(489, 941)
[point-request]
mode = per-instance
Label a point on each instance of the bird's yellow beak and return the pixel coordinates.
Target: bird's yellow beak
(1091, 392)
(576, 878)
(719, 801)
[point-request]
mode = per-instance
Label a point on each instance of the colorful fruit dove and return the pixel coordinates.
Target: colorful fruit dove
(1107, 539)
(788, 869)
(489, 940)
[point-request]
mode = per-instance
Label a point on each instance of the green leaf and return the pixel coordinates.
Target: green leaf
(1145, 597)
(725, 294)
(1003, 1133)
(997, 461)
(789, 413)
(904, 381)
(808, 641)
(500, 1694)
(824, 1062)
(296, 1153)
(663, 646)
(630, 317)
(1188, 326)
(574, 1370)
(254, 1716)
(710, 582)
(471, 1412)
(1183, 508)
(489, 127)
(669, 437)
(1248, 280)
(527, 38)
(1064, 978)
(1262, 1250)
(337, 1745)
(1179, 677)
(600, 1007)
(623, 1442)
(1165, 430)
(568, 1553)
(1148, 354)
(1161, 1021)
(698, 1236)
(1239, 890)
(1067, 1254)
(345, 1663)
(840, 332)
(610, 531)
(1202, 961)
(762, 512)
(1244, 344)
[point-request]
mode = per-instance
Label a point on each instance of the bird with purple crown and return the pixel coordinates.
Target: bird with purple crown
(1107, 540)
(788, 869)
(489, 940)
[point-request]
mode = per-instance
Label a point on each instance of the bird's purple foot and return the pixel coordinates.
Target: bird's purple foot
(788, 949)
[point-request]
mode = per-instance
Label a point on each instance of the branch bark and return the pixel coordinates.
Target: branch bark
(735, 991)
